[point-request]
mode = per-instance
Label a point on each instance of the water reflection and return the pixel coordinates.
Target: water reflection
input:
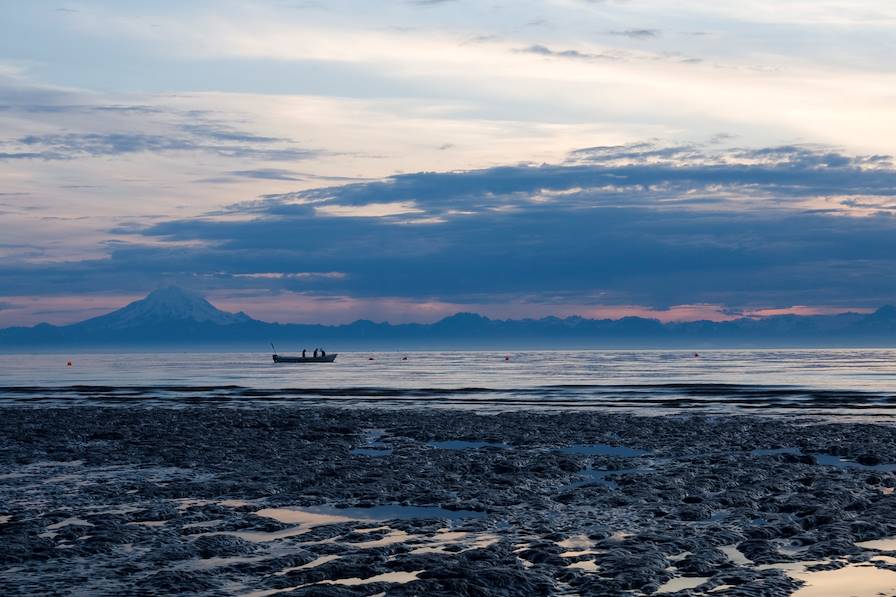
(842, 382)
(319, 515)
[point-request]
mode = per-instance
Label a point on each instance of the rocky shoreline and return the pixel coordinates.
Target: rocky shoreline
(319, 501)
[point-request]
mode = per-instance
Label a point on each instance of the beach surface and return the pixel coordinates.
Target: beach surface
(326, 501)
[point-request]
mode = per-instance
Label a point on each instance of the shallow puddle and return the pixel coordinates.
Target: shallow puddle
(788, 548)
(389, 577)
(775, 451)
(856, 580)
(312, 564)
(602, 450)
(827, 459)
(308, 518)
(576, 542)
(390, 538)
(888, 544)
(586, 565)
(438, 542)
(620, 536)
(233, 503)
(372, 436)
(263, 536)
(372, 529)
(792, 568)
(320, 515)
(393, 577)
(372, 444)
(457, 444)
(68, 522)
(735, 555)
(681, 583)
(582, 552)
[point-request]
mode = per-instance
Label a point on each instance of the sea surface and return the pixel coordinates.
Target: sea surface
(842, 383)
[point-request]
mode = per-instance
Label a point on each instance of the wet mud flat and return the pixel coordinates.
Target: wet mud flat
(322, 501)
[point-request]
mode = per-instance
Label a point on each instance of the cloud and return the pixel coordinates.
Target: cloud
(637, 33)
(291, 275)
(626, 225)
(58, 146)
(65, 108)
(66, 146)
(115, 128)
(614, 55)
(26, 155)
(218, 132)
(541, 50)
(266, 174)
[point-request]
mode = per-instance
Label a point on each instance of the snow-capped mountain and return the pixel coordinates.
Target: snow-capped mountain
(171, 305)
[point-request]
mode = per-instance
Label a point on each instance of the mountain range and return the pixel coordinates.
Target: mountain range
(175, 318)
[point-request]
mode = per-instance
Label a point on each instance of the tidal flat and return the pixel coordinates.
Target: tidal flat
(203, 500)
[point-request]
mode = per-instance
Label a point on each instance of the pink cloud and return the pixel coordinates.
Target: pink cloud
(804, 310)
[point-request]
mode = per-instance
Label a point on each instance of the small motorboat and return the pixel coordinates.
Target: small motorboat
(327, 358)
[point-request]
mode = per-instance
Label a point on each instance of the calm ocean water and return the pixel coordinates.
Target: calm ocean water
(829, 382)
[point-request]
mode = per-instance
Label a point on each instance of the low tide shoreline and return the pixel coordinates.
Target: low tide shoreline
(326, 501)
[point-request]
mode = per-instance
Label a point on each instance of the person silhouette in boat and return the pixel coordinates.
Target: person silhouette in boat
(303, 353)
(323, 352)
(315, 353)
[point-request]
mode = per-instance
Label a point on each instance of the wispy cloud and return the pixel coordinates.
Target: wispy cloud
(637, 33)
(541, 50)
(73, 145)
(267, 174)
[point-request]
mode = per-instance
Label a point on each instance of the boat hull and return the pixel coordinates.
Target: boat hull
(327, 359)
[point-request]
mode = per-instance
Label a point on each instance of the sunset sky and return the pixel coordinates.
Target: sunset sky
(403, 160)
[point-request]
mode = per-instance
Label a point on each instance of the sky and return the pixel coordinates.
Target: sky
(404, 160)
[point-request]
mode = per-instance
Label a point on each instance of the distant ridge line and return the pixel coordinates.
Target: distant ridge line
(175, 318)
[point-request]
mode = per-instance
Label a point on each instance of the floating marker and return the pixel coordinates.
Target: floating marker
(68, 364)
